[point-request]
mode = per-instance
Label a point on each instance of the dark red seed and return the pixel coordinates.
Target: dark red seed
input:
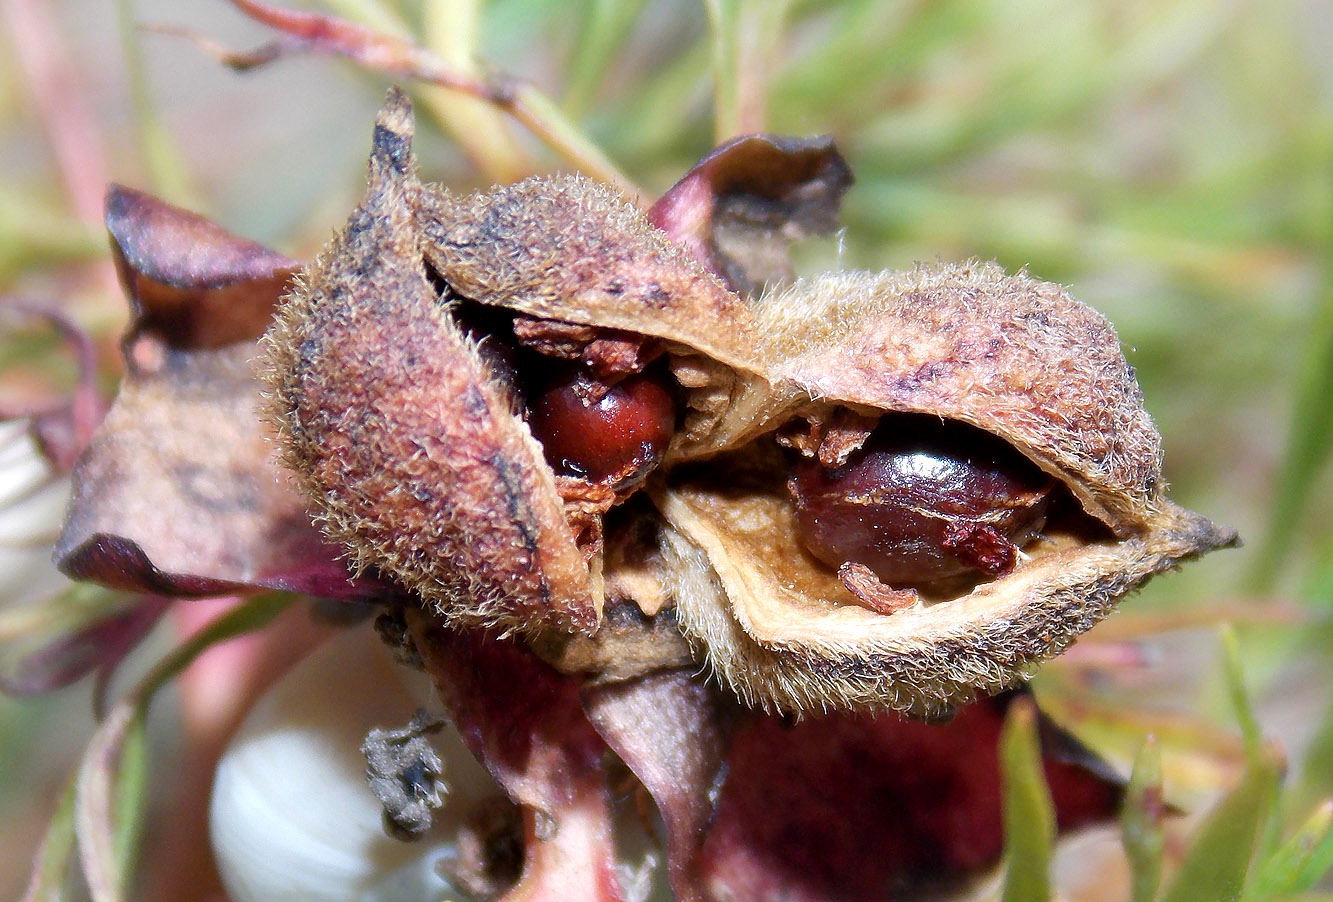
(614, 435)
(922, 501)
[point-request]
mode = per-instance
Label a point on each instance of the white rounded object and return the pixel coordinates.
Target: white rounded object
(292, 817)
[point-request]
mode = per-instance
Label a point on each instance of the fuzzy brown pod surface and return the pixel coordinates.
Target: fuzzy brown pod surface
(537, 411)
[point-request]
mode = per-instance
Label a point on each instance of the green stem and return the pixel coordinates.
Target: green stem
(1310, 435)
(165, 168)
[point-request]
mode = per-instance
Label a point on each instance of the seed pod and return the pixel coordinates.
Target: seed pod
(414, 459)
(1012, 357)
(404, 424)
(438, 385)
(568, 250)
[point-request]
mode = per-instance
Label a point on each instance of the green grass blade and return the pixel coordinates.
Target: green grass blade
(167, 173)
(1240, 699)
(1029, 814)
(131, 795)
(722, 18)
(1309, 439)
(603, 31)
(1299, 863)
(50, 868)
(1218, 859)
(1141, 823)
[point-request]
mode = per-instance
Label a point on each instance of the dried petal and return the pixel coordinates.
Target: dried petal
(738, 210)
(525, 723)
(69, 656)
(178, 494)
(671, 730)
(191, 283)
(412, 456)
(832, 807)
(848, 808)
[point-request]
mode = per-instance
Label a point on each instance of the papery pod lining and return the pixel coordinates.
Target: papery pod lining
(417, 462)
(783, 643)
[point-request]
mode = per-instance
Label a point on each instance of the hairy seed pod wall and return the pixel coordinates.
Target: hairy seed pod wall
(863, 491)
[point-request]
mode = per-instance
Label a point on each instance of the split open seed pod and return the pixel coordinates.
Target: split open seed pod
(861, 492)
(999, 373)
(436, 334)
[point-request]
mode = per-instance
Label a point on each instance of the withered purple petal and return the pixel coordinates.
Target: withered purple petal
(97, 646)
(741, 206)
(191, 283)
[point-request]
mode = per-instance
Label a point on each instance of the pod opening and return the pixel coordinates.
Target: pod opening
(601, 402)
(894, 511)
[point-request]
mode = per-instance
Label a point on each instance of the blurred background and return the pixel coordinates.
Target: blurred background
(1171, 161)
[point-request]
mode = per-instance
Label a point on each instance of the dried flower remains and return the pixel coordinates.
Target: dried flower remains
(543, 411)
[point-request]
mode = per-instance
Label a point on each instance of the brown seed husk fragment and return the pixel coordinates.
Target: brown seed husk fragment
(413, 457)
(416, 454)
